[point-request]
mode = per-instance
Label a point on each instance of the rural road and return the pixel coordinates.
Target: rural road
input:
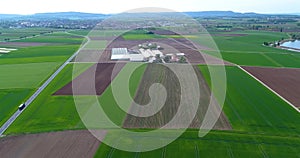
(41, 88)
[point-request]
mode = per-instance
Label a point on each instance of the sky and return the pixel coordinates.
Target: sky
(118, 6)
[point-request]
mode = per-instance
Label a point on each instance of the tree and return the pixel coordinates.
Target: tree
(167, 59)
(182, 60)
(266, 43)
(157, 59)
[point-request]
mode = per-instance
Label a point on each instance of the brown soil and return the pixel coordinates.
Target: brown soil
(103, 75)
(284, 81)
(171, 83)
(72, 144)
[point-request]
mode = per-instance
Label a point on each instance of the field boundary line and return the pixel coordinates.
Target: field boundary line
(293, 106)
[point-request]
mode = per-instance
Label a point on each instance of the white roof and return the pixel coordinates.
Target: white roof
(119, 51)
(136, 57)
(119, 54)
(180, 54)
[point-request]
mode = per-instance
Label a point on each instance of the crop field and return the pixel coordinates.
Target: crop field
(39, 54)
(47, 113)
(53, 115)
(24, 70)
(284, 81)
(263, 126)
(55, 38)
(156, 73)
(262, 111)
(55, 144)
(16, 34)
(248, 50)
(254, 121)
(10, 100)
(103, 76)
(28, 75)
(216, 144)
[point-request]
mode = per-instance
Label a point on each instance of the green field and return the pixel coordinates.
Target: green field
(39, 54)
(248, 50)
(24, 70)
(52, 113)
(16, 33)
(139, 35)
(57, 38)
(252, 107)
(10, 100)
(28, 75)
(263, 126)
(216, 144)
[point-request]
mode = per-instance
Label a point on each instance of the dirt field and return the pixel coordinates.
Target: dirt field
(156, 73)
(103, 76)
(72, 144)
(284, 81)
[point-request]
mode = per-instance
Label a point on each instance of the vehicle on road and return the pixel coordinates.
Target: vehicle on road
(22, 106)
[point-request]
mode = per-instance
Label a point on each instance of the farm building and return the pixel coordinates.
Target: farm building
(124, 54)
(119, 54)
(136, 57)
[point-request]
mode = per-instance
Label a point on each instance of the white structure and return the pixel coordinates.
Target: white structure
(180, 54)
(147, 53)
(123, 54)
(136, 57)
(120, 54)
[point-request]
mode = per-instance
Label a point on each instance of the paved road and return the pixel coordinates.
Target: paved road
(45, 84)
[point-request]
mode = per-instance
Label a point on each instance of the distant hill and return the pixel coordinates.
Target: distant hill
(8, 16)
(80, 15)
(69, 15)
(223, 14)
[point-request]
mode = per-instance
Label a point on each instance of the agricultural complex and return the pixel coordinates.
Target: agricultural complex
(260, 116)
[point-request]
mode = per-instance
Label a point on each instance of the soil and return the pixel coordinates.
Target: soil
(103, 75)
(72, 144)
(169, 80)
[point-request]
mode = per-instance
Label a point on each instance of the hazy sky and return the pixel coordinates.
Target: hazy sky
(117, 6)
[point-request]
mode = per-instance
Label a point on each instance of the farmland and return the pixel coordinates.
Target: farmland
(161, 74)
(254, 122)
(63, 117)
(283, 80)
(256, 132)
(248, 50)
(25, 69)
(55, 144)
